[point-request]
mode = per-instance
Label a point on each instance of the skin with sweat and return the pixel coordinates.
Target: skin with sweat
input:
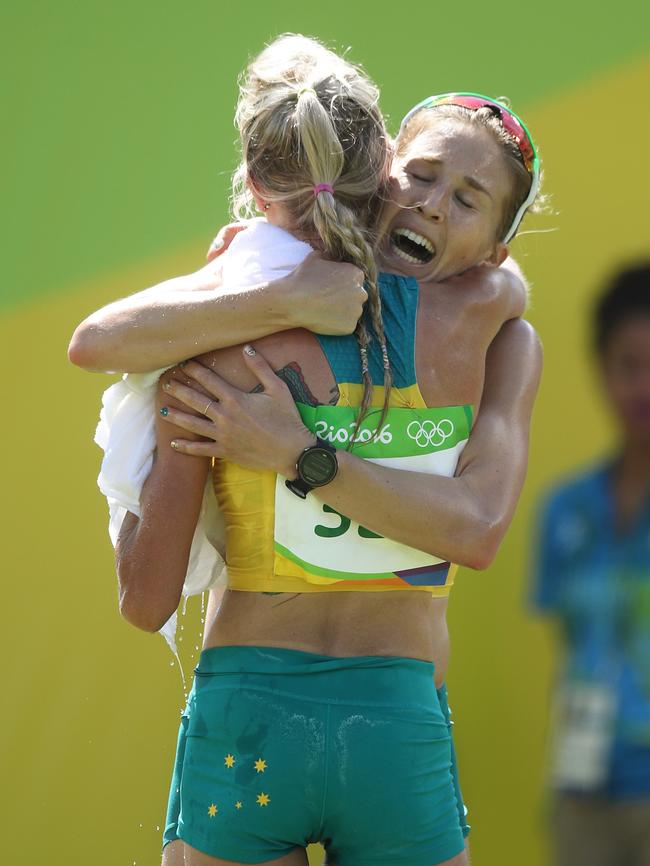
(448, 188)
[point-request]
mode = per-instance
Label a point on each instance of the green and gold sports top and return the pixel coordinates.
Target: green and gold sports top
(277, 542)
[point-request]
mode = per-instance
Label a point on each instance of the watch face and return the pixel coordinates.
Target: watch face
(317, 467)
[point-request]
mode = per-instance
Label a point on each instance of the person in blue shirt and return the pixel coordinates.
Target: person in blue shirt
(593, 578)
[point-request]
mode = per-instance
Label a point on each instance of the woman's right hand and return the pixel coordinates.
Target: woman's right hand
(327, 297)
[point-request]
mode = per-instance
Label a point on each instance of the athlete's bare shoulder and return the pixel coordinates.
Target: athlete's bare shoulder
(518, 345)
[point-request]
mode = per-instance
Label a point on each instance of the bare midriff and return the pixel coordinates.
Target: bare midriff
(334, 624)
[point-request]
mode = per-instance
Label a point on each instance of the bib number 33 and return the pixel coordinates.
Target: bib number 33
(342, 528)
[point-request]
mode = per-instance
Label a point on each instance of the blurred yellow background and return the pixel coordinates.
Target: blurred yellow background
(121, 143)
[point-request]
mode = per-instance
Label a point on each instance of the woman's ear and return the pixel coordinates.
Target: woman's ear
(259, 199)
(499, 255)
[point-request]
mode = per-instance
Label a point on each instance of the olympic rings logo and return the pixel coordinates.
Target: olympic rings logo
(426, 433)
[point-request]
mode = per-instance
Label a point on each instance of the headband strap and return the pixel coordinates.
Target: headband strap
(323, 187)
(306, 90)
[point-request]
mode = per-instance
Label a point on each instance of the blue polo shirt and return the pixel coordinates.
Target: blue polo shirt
(596, 582)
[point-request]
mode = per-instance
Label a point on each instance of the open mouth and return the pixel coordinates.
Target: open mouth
(412, 247)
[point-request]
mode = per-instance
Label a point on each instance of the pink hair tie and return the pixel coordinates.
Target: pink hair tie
(323, 187)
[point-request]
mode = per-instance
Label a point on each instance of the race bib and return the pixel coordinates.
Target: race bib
(315, 542)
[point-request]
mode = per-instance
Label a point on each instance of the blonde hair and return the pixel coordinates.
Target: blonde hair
(305, 117)
(487, 119)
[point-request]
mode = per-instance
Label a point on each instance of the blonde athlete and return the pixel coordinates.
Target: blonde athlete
(353, 661)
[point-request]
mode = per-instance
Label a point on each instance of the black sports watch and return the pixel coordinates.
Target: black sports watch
(317, 466)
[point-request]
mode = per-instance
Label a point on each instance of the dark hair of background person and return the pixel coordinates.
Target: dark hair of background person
(626, 295)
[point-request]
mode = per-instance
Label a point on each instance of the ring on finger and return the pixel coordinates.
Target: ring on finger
(205, 411)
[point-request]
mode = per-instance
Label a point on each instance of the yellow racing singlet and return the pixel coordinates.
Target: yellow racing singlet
(277, 542)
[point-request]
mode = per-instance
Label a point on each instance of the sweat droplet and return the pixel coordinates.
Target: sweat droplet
(180, 667)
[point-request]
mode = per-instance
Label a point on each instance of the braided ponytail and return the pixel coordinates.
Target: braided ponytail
(307, 117)
(345, 241)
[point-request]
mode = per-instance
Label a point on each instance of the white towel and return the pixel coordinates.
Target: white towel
(126, 430)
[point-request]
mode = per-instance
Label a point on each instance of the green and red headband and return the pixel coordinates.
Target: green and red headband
(512, 124)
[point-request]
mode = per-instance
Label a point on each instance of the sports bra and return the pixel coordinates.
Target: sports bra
(277, 542)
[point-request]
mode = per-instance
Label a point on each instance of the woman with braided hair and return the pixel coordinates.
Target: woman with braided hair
(308, 120)
(314, 714)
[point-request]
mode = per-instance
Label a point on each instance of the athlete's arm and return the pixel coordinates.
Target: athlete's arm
(152, 552)
(189, 315)
(192, 314)
(461, 519)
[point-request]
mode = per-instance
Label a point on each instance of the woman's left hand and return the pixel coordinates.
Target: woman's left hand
(259, 430)
(224, 238)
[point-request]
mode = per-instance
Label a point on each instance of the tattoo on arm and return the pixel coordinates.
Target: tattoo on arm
(292, 375)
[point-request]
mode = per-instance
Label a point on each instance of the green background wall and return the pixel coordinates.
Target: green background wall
(119, 145)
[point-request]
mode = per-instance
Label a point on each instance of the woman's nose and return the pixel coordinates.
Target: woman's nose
(434, 206)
